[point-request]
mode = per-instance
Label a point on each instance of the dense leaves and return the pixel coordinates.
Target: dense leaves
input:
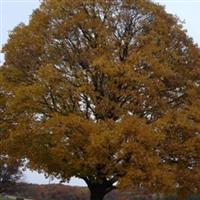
(107, 91)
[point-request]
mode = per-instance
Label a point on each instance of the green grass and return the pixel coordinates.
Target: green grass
(10, 198)
(2, 198)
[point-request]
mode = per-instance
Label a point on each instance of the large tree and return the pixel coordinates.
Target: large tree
(106, 91)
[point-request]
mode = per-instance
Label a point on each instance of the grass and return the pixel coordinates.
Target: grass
(8, 198)
(2, 198)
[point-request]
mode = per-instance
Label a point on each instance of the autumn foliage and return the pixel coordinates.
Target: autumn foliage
(106, 91)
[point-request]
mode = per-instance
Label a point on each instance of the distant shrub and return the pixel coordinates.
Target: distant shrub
(19, 198)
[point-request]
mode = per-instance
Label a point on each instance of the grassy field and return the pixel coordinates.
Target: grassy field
(10, 198)
(2, 198)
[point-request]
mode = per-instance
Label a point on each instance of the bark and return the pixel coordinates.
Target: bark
(98, 191)
(97, 195)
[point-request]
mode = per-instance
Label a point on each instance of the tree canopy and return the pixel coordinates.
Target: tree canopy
(107, 91)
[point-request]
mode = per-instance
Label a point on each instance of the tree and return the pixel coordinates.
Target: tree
(106, 91)
(9, 173)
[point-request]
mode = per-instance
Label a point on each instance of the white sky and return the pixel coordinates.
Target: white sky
(13, 12)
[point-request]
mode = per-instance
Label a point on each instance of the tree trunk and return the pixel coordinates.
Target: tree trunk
(98, 191)
(96, 195)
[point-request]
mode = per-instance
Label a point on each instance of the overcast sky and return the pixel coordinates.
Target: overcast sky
(13, 12)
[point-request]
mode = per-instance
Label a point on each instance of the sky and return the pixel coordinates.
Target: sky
(13, 12)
